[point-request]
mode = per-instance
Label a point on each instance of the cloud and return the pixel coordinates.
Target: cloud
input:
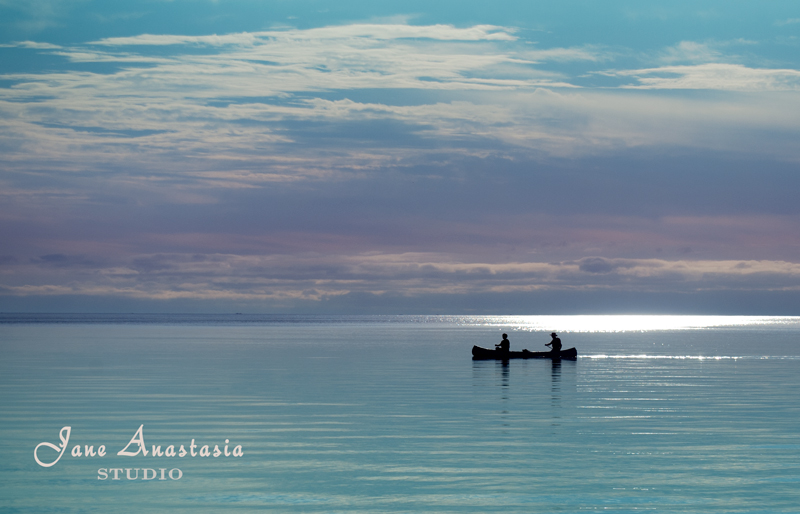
(316, 277)
(329, 58)
(367, 32)
(34, 45)
(262, 107)
(91, 121)
(690, 51)
(600, 265)
(590, 53)
(715, 76)
(227, 110)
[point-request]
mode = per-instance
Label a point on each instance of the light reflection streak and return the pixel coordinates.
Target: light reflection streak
(691, 357)
(632, 323)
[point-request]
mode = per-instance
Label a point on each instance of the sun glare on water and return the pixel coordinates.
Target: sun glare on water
(634, 323)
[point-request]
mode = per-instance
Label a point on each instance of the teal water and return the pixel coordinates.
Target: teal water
(390, 414)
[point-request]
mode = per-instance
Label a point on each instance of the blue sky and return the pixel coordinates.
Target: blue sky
(420, 157)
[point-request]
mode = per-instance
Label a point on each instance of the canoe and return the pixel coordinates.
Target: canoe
(479, 353)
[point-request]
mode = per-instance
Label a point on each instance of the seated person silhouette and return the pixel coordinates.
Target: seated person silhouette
(504, 345)
(555, 343)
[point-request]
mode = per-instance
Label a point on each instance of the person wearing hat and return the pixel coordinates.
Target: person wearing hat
(555, 343)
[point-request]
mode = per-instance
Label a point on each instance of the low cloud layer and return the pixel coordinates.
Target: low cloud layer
(283, 281)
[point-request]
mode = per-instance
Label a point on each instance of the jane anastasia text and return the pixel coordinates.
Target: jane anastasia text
(135, 447)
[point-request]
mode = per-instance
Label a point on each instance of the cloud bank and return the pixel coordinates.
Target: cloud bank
(283, 280)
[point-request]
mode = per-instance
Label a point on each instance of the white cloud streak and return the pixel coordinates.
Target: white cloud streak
(715, 76)
(32, 45)
(365, 31)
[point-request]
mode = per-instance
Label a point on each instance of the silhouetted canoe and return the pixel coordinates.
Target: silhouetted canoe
(479, 353)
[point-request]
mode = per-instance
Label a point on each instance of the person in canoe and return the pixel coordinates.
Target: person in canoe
(555, 344)
(504, 345)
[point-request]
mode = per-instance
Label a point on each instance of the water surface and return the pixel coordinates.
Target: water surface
(390, 414)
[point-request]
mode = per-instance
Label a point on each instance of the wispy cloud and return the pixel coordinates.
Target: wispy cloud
(35, 45)
(691, 52)
(590, 53)
(341, 32)
(233, 102)
(226, 108)
(714, 76)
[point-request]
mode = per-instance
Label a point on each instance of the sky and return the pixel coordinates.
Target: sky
(355, 157)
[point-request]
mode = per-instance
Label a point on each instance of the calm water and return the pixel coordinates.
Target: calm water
(390, 414)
